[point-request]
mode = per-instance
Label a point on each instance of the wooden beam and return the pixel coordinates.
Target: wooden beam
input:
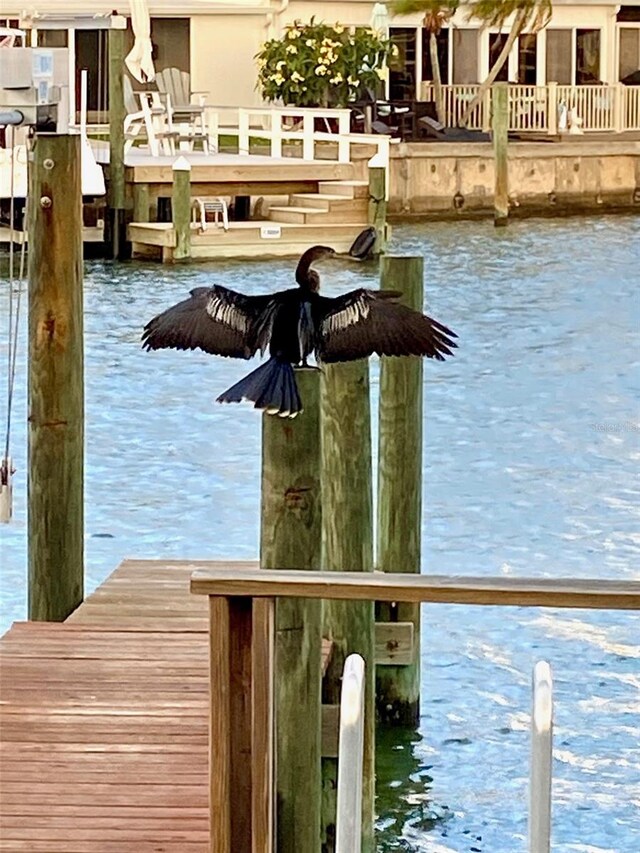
(441, 589)
(378, 206)
(56, 380)
(400, 490)
(291, 536)
(500, 126)
(241, 713)
(330, 731)
(232, 736)
(181, 208)
(219, 727)
(347, 540)
(262, 746)
(395, 644)
(117, 112)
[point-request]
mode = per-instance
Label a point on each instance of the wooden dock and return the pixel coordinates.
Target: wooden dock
(104, 719)
(325, 204)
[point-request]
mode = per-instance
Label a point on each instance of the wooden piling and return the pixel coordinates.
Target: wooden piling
(291, 538)
(378, 206)
(500, 124)
(181, 208)
(56, 382)
(400, 493)
(117, 112)
(141, 203)
(347, 540)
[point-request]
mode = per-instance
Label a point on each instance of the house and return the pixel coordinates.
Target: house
(216, 41)
(584, 42)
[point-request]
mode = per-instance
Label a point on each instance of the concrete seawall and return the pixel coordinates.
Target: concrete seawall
(447, 180)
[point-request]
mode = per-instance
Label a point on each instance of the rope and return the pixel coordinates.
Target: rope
(14, 321)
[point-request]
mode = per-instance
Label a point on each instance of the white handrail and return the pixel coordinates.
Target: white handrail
(541, 759)
(350, 758)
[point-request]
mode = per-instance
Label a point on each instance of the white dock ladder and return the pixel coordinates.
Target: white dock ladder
(350, 758)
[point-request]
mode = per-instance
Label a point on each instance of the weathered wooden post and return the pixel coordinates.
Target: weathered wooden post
(141, 203)
(181, 208)
(378, 203)
(117, 112)
(56, 383)
(500, 124)
(291, 539)
(347, 545)
(400, 493)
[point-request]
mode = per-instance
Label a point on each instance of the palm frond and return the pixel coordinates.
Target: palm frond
(495, 13)
(435, 13)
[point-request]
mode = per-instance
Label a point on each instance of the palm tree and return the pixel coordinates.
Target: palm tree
(529, 16)
(436, 14)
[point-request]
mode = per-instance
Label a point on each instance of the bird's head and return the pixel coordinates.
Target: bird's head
(305, 276)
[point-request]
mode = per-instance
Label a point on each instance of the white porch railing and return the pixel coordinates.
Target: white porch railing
(593, 107)
(631, 115)
(614, 108)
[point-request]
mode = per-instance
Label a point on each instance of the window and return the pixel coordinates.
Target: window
(559, 57)
(465, 56)
(53, 38)
(629, 51)
(527, 59)
(443, 55)
(170, 38)
(92, 53)
(496, 42)
(587, 57)
(402, 68)
(628, 13)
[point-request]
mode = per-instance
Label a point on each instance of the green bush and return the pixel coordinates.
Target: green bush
(319, 65)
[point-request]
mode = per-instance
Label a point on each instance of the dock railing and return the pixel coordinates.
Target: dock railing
(350, 757)
(541, 759)
(279, 125)
(611, 107)
(241, 742)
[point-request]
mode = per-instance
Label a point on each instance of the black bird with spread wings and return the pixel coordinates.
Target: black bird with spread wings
(292, 324)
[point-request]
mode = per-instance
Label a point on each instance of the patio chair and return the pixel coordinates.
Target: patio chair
(188, 109)
(177, 84)
(149, 112)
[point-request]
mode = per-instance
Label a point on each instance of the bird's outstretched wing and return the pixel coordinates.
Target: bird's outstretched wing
(366, 321)
(216, 320)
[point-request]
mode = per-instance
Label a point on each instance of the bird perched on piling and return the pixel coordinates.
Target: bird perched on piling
(293, 324)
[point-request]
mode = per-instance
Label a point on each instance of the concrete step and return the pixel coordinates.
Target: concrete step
(350, 189)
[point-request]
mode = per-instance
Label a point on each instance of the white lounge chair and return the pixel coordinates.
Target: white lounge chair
(151, 112)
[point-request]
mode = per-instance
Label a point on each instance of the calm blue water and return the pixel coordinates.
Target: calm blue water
(532, 442)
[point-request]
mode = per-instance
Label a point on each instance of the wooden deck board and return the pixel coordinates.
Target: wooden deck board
(104, 719)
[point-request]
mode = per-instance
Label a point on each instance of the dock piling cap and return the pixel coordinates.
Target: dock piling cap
(182, 165)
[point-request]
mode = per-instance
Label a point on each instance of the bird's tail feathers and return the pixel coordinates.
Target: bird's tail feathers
(271, 387)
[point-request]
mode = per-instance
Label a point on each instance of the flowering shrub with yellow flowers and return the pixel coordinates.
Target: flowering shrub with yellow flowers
(321, 65)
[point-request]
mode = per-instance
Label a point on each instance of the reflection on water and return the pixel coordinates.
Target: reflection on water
(530, 461)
